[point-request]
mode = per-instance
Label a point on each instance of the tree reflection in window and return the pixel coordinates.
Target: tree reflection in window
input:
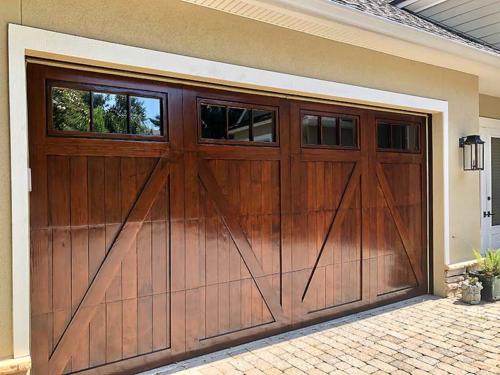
(111, 113)
(145, 116)
(71, 109)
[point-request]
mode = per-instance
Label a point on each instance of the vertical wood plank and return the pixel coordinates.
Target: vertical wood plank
(160, 319)
(60, 220)
(160, 274)
(97, 249)
(113, 208)
(113, 331)
(145, 322)
(144, 269)
(112, 204)
(129, 189)
(177, 258)
(212, 310)
(79, 249)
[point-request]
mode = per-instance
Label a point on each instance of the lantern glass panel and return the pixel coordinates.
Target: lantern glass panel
(473, 156)
(473, 153)
(481, 156)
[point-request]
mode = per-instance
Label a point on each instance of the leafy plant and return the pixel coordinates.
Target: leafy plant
(472, 280)
(490, 263)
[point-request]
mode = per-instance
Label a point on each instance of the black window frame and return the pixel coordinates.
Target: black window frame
(238, 105)
(338, 116)
(106, 89)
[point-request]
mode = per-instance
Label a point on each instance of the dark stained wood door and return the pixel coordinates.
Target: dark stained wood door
(400, 211)
(358, 213)
(102, 238)
(235, 196)
(327, 187)
(146, 250)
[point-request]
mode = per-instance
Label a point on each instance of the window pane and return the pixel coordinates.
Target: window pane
(310, 130)
(213, 121)
(348, 132)
(329, 131)
(384, 135)
(412, 137)
(239, 124)
(109, 113)
(263, 126)
(145, 116)
(70, 109)
(398, 137)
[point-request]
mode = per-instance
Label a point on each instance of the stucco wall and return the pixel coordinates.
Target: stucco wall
(489, 106)
(174, 26)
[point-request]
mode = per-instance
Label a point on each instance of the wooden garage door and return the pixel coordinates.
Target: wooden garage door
(359, 208)
(168, 221)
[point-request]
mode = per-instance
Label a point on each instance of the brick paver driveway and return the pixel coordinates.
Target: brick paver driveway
(424, 335)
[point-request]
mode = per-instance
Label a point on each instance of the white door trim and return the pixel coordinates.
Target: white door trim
(492, 123)
(26, 41)
(488, 127)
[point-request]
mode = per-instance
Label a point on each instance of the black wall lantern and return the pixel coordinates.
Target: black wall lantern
(473, 149)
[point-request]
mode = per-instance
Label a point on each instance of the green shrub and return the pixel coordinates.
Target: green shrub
(490, 263)
(473, 280)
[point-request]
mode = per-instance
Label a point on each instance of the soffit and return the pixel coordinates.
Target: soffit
(334, 21)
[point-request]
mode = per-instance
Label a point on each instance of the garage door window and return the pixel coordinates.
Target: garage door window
(87, 111)
(397, 137)
(70, 109)
(329, 131)
(236, 123)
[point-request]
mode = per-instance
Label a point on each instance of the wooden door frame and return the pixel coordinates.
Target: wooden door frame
(430, 205)
(25, 42)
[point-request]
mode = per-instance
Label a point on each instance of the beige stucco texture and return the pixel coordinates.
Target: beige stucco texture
(178, 27)
(489, 106)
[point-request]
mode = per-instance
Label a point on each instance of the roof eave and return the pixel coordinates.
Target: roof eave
(348, 25)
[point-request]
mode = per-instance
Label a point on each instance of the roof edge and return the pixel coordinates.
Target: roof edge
(372, 22)
(330, 20)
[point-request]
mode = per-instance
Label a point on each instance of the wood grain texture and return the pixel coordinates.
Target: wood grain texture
(147, 252)
(231, 222)
(109, 268)
(330, 261)
(400, 225)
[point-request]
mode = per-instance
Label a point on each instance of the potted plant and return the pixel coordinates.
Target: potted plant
(489, 274)
(471, 290)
